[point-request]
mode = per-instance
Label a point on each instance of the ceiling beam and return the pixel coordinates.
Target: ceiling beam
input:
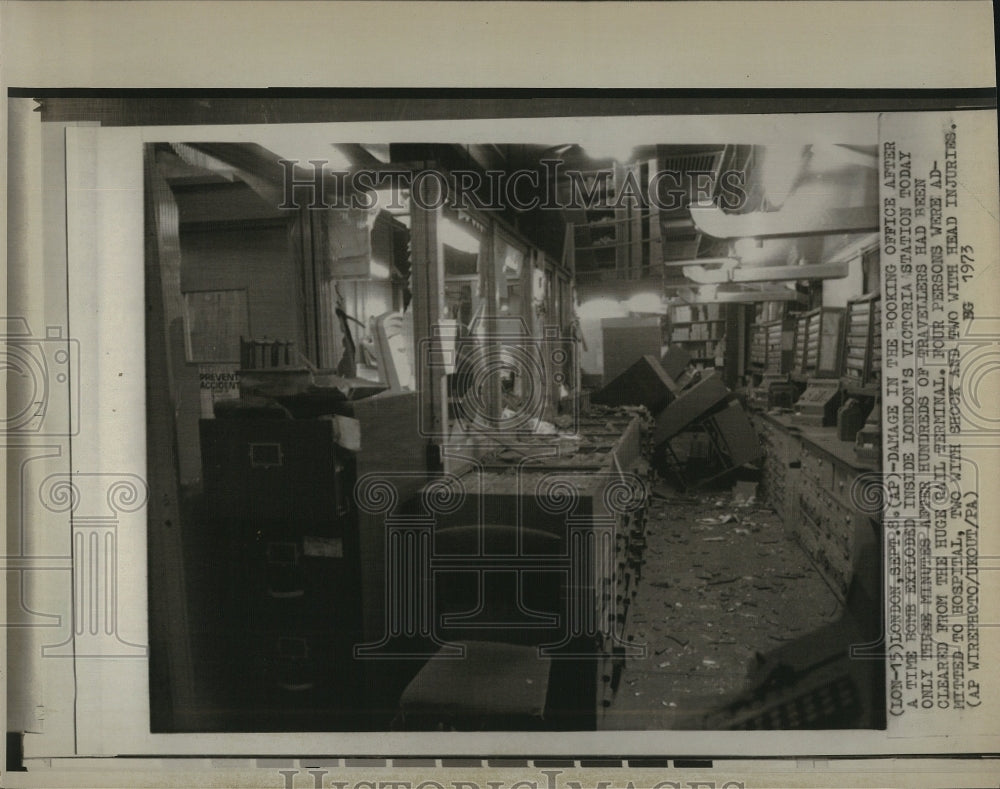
(789, 273)
(849, 154)
(713, 294)
(713, 221)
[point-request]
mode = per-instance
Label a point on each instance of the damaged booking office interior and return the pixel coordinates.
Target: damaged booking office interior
(513, 437)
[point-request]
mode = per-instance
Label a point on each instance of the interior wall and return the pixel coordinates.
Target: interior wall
(591, 311)
(364, 300)
(253, 258)
(836, 292)
(36, 293)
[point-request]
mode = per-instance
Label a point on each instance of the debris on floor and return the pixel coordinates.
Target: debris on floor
(744, 493)
(719, 587)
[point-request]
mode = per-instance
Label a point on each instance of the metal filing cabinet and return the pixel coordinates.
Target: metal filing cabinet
(305, 563)
(279, 487)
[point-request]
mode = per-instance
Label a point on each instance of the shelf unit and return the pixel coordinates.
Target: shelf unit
(758, 348)
(773, 338)
(697, 328)
(773, 348)
(597, 237)
(607, 234)
(818, 343)
(861, 371)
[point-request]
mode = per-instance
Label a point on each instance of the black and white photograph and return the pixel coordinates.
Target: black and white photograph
(499, 395)
(487, 437)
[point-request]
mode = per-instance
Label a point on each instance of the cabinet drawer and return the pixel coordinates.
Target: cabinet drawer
(844, 479)
(816, 467)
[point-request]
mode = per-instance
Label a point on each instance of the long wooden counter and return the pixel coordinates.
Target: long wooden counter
(829, 501)
(553, 528)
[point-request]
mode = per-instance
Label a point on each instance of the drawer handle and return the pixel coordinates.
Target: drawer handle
(266, 455)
